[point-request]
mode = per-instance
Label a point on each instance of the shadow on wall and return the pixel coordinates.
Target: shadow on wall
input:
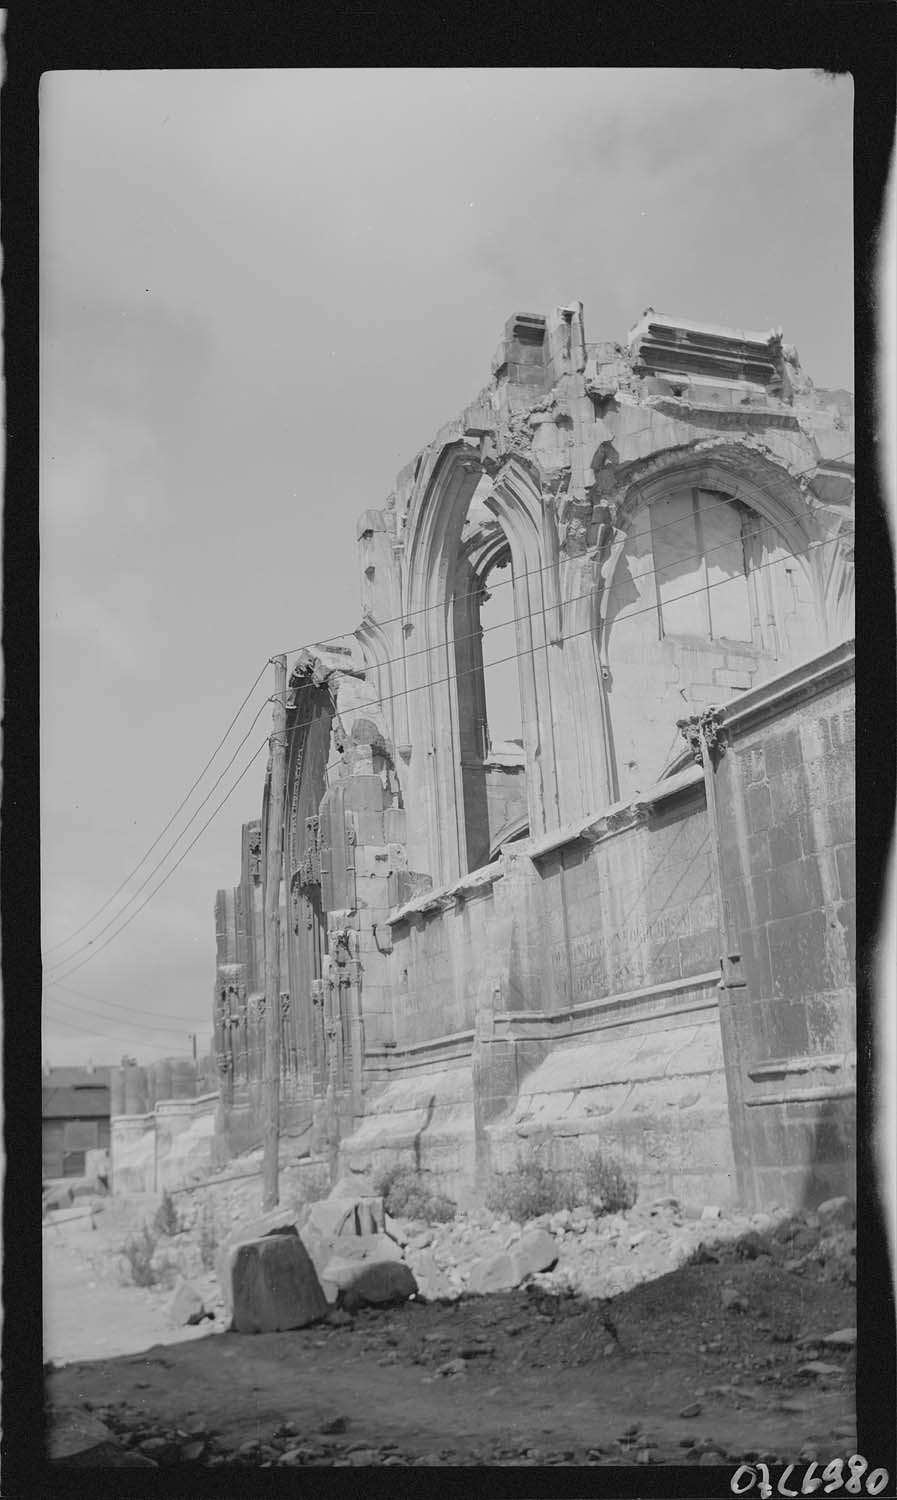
(830, 1170)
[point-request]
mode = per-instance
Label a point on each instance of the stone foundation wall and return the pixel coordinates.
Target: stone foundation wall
(158, 1151)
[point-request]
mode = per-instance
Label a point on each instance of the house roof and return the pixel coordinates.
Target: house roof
(75, 1101)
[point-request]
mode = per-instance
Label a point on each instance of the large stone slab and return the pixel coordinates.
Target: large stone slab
(494, 1273)
(348, 1253)
(281, 1220)
(376, 1283)
(534, 1252)
(273, 1285)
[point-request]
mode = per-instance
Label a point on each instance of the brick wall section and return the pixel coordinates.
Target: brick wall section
(787, 834)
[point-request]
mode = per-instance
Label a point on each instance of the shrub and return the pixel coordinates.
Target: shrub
(531, 1189)
(138, 1252)
(528, 1190)
(608, 1188)
(406, 1196)
(167, 1221)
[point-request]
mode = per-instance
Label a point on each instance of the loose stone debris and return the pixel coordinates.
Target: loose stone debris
(652, 1322)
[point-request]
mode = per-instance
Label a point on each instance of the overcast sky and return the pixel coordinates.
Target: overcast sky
(261, 294)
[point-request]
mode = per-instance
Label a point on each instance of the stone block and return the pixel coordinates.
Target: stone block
(57, 1198)
(495, 1273)
(797, 953)
(785, 842)
(536, 1251)
(273, 1285)
(378, 1284)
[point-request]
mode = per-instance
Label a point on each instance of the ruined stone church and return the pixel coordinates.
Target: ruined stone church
(629, 925)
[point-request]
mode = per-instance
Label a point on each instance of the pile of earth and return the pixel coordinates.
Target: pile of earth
(744, 1352)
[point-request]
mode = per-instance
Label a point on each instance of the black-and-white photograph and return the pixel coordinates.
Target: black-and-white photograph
(447, 757)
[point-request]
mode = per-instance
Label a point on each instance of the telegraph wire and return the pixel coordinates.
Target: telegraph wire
(389, 661)
(115, 1006)
(545, 606)
(61, 963)
(253, 758)
(119, 1019)
(531, 572)
(78, 930)
(429, 683)
(118, 1036)
(572, 635)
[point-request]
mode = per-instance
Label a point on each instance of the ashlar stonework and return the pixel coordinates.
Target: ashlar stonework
(629, 925)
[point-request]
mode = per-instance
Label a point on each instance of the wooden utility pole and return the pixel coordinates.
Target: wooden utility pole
(270, 1193)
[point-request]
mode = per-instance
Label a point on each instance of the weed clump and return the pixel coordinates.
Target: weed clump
(608, 1187)
(531, 1189)
(527, 1191)
(406, 1196)
(208, 1238)
(167, 1221)
(138, 1254)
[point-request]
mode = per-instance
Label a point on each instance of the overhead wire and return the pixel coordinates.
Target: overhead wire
(61, 963)
(141, 862)
(531, 572)
(544, 606)
(571, 635)
(99, 948)
(120, 1018)
(430, 682)
(176, 1022)
(118, 1036)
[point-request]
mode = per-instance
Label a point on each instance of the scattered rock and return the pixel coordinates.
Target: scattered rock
(378, 1283)
(732, 1300)
(819, 1367)
(842, 1338)
(186, 1305)
(691, 1411)
(836, 1213)
(334, 1425)
(536, 1251)
(711, 1211)
(495, 1273)
(452, 1367)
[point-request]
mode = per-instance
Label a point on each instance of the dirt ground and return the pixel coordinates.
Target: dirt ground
(712, 1363)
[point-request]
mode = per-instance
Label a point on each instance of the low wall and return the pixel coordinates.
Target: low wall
(159, 1151)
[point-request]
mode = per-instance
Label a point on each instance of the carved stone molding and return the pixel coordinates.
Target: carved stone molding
(711, 724)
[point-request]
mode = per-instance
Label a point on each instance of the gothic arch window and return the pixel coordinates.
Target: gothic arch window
(701, 544)
(490, 714)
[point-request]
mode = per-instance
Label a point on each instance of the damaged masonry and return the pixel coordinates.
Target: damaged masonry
(630, 926)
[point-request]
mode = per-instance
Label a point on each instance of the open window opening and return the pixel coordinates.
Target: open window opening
(493, 763)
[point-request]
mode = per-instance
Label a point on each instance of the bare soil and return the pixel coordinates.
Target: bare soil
(703, 1364)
